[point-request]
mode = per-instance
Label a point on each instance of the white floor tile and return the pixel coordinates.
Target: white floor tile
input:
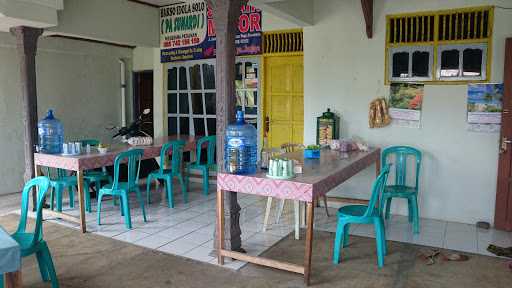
(200, 254)
(152, 241)
(131, 236)
(177, 247)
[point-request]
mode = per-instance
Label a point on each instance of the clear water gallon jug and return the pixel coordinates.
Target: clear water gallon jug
(51, 134)
(240, 154)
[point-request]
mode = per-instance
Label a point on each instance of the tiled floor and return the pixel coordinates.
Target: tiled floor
(187, 229)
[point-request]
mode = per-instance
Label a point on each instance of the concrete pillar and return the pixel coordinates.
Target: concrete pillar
(26, 42)
(226, 14)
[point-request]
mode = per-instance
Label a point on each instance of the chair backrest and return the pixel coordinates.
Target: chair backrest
(42, 184)
(132, 159)
(91, 142)
(401, 154)
(176, 148)
(377, 189)
(210, 150)
(56, 173)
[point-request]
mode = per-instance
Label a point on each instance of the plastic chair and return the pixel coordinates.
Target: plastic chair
(33, 243)
(363, 214)
(210, 161)
(176, 148)
(132, 159)
(93, 176)
(400, 189)
(59, 181)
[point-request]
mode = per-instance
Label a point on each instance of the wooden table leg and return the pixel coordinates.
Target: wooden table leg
(13, 279)
(310, 214)
(220, 225)
(81, 202)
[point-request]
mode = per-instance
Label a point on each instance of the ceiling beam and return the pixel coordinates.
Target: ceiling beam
(367, 6)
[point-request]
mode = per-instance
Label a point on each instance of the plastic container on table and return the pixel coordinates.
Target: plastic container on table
(241, 147)
(51, 134)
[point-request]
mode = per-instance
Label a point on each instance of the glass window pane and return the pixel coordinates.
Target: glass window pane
(210, 122)
(184, 126)
(238, 71)
(183, 78)
(420, 63)
(183, 103)
(172, 79)
(472, 62)
(210, 103)
(172, 125)
(251, 75)
(401, 64)
(251, 98)
(195, 77)
(450, 63)
(172, 103)
(209, 76)
(240, 98)
(199, 127)
(197, 103)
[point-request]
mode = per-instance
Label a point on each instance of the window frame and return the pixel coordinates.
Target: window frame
(410, 49)
(477, 40)
(461, 48)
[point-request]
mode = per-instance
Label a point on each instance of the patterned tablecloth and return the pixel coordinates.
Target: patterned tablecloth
(10, 255)
(319, 176)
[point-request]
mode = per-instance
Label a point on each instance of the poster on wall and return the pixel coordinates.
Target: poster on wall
(405, 100)
(187, 31)
(484, 107)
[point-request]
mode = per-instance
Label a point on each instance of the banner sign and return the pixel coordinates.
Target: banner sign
(187, 31)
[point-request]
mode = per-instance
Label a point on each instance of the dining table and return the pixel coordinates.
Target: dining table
(10, 260)
(93, 160)
(319, 176)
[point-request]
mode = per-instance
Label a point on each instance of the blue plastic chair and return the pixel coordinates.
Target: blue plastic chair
(204, 167)
(93, 176)
(400, 189)
(176, 149)
(59, 181)
(363, 214)
(33, 243)
(132, 159)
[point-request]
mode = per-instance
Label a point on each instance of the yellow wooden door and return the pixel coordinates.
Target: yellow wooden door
(284, 99)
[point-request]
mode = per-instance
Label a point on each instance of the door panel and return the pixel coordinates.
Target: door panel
(284, 99)
(503, 211)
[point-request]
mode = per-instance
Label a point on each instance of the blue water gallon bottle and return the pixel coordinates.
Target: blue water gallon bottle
(51, 134)
(241, 147)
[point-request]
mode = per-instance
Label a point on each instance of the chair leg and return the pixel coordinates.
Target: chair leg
(267, 213)
(71, 197)
(325, 205)
(296, 205)
(380, 242)
(141, 203)
(183, 188)
(87, 195)
(98, 213)
(187, 176)
(168, 189)
(50, 266)
(409, 207)
(148, 188)
(383, 231)
(126, 209)
(388, 207)
(280, 210)
(338, 243)
(346, 235)
(43, 269)
(415, 215)
(206, 174)
(58, 196)
(52, 199)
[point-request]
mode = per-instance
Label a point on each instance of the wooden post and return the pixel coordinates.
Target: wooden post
(367, 6)
(226, 14)
(26, 43)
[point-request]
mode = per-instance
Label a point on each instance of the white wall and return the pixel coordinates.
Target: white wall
(344, 70)
(143, 58)
(80, 80)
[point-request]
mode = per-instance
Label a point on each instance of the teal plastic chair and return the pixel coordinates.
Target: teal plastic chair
(363, 214)
(59, 181)
(33, 243)
(204, 167)
(93, 176)
(400, 189)
(176, 149)
(119, 189)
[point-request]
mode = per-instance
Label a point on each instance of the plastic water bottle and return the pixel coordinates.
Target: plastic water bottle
(241, 148)
(51, 134)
